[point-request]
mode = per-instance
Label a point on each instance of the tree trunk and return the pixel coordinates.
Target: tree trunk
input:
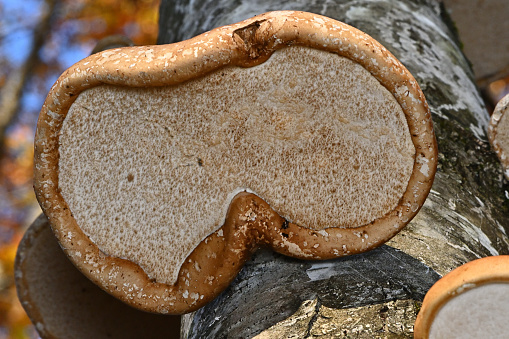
(465, 217)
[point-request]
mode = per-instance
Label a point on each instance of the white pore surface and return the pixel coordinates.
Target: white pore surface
(149, 172)
(481, 312)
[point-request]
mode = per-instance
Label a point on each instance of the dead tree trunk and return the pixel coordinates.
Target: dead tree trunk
(465, 217)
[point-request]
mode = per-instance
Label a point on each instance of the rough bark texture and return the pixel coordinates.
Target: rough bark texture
(465, 217)
(272, 287)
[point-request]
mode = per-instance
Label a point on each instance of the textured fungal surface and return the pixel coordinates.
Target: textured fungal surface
(499, 133)
(460, 318)
(447, 307)
(323, 142)
(162, 168)
(62, 303)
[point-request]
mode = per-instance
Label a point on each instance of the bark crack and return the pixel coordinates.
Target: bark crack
(313, 319)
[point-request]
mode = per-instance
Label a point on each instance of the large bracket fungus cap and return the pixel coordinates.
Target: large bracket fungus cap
(498, 132)
(62, 303)
(161, 168)
(471, 301)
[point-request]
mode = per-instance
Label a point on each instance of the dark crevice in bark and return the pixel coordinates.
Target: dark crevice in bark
(313, 320)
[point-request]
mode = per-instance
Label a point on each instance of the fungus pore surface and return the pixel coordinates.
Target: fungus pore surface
(148, 173)
(62, 303)
(480, 312)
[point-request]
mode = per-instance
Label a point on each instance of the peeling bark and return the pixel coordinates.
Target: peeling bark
(465, 217)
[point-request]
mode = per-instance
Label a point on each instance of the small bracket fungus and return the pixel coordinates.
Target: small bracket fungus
(472, 301)
(162, 168)
(63, 303)
(498, 132)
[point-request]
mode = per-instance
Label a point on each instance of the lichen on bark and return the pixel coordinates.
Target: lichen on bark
(392, 319)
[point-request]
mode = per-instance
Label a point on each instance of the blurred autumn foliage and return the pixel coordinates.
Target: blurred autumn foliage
(39, 39)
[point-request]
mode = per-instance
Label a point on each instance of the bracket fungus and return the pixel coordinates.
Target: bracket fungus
(471, 301)
(63, 303)
(162, 168)
(498, 132)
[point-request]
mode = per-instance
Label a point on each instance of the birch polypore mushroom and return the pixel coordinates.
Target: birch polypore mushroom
(63, 303)
(498, 132)
(471, 301)
(161, 168)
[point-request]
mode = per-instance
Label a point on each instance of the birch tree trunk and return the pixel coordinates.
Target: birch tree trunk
(466, 216)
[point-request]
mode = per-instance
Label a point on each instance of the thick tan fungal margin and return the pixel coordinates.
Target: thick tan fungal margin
(469, 302)
(171, 164)
(498, 132)
(62, 303)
